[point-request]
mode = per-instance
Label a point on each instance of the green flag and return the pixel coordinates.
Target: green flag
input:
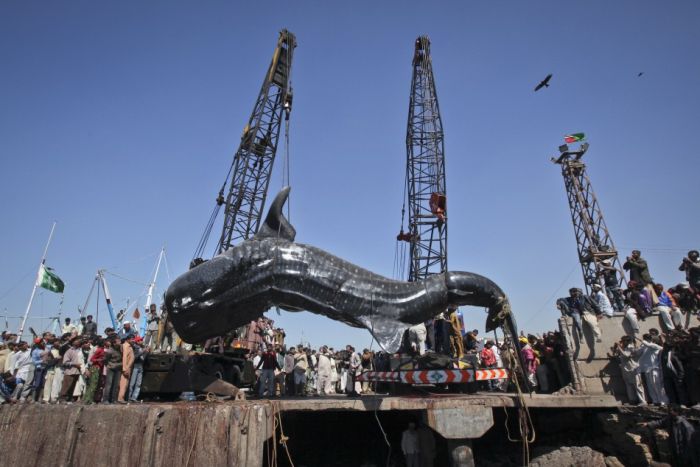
(573, 138)
(50, 281)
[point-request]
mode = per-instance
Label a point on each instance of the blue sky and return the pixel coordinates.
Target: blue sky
(119, 120)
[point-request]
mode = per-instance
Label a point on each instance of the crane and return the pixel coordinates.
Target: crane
(596, 251)
(425, 172)
(252, 164)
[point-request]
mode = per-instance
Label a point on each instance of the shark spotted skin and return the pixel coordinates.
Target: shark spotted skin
(270, 269)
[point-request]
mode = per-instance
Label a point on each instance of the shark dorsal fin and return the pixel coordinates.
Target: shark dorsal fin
(276, 225)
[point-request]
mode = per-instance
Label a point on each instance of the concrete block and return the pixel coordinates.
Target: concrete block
(460, 423)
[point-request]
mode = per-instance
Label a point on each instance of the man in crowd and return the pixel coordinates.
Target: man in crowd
(72, 362)
(95, 369)
(127, 331)
(113, 369)
(580, 308)
(671, 316)
(38, 353)
(127, 364)
(140, 353)
(152, 323)
(691, 266)
(90, 327)
(624, 352)
(601, 300)
(455, 334)
(288, 369)
(301, 364)
(268, 362)
(4, 353)
(640, 299)
(488, 360)
(638, 268)
(647, 356)
(23, 371)
(409, 446)
(353, 370)
(612, 284)
(68, 328)
(639, 273)
(324, 372)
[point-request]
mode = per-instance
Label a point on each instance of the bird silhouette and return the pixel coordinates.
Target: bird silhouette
(640, 74)
(544, 83)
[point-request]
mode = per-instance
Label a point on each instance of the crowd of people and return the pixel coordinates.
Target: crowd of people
(80, 364)
(663, 365)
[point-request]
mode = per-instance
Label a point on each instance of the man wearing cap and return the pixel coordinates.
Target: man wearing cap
(72, 363)
(140, 352)
(127, 331)
(601, 300)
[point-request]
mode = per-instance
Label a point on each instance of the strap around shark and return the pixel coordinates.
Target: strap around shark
(276, 225)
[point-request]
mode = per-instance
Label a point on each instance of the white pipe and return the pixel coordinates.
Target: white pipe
(36, 283)
(149, 295)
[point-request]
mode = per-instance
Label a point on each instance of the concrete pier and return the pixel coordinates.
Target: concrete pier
(228, 433)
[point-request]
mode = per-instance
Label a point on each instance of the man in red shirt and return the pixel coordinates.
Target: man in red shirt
(269, 363)
(488, 360)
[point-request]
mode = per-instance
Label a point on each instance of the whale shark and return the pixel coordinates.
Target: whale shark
(272, 270)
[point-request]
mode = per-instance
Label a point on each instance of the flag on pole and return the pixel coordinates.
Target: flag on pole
(50, 281)
(574, 137)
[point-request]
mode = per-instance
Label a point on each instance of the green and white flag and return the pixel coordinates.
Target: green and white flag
(575, 137)
(49, 280)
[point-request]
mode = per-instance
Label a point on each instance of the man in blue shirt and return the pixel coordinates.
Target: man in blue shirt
(39, 367)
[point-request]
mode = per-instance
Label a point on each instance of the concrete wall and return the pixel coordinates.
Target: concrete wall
(598, 373)
(135, 435)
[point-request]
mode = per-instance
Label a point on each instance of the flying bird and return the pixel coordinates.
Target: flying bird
(640, 74)
(544, 83)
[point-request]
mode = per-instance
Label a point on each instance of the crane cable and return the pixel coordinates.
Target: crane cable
(201, 246)
(287, 93)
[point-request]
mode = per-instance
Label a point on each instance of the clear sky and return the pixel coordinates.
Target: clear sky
(119, 120)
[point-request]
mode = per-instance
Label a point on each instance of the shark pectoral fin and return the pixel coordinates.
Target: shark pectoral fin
(276, 225)
(388, 332)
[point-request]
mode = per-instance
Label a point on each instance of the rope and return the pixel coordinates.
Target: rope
(525, 424)
(542, 308)
(126, 278)
(386, 439)
(283, 439)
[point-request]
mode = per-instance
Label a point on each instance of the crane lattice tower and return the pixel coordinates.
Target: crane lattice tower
(425, 171)
(253, 162)
(596, 249)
